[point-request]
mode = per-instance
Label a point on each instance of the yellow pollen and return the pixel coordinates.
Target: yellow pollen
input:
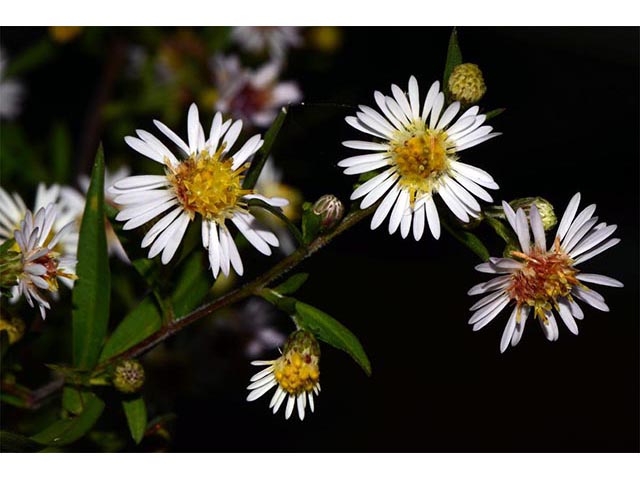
(544, 278)
(297, 372)
(421, 158)
(206, 184)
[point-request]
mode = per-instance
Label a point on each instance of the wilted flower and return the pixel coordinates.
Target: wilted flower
(274, 40)
(419, 154)
(208, 182)
(466, 84)
(11, 92)
(296, 374)
(539, 279)
(252, 96)
(41, 266)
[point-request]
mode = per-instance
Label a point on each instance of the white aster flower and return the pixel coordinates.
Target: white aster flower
(542, 279)
(419, 154)
(252, 96)
(41, 264)
(13, 210)
(11, 92)
(208, 182)
(296, 374)
(274, 40)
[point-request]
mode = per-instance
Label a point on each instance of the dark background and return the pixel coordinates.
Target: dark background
(571, 125)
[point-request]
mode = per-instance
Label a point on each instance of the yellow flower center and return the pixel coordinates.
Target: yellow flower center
(206, 184)
(544, 278)
(297, 372)
(421, 158)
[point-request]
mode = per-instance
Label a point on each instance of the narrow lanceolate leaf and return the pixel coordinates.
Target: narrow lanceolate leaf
(14, 443)
(68, 430)
(454, 58)
(311, 223)
(192, 285)
(292, 284)
(136, 413)
(494, 113)
(92, 289)
(141, 322)
(261, 156)
(469, 240)
(277, 211)
(329, 330)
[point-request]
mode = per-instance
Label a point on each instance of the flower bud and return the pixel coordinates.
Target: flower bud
(330, 209)
(545, 209)
(128, 376)
(466, 84)
(303, 342)
(14, 327)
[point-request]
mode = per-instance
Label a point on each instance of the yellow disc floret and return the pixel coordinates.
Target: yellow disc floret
(207, 184)
(545, 277)
(298, 369)
(421, 157)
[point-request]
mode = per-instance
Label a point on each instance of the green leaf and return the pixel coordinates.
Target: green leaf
(292, 284)
(193, 283)
(15, 443)
(311, 224)
(329, 330)
(136, 413)
(61, 152)
(141, 322)
(502, 230)
(494, 113)
(261, 156)
(92, 289)
(6, 245)
(68, 430)
(454, 58)
(469, 240)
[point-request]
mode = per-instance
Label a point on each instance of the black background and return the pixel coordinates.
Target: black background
(571, 125)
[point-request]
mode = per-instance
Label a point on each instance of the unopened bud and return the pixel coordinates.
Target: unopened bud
(466, 84)
(14, 327)
(303, 342)
(330, 210)
(545, 209)
(128, 376)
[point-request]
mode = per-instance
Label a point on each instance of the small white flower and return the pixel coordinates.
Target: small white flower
(275, 40)
(208, 182)
(296, 374)
(42, 265)
(418, 150)
(542, 279)
(252, 96)
(11, 92)
(13, 210)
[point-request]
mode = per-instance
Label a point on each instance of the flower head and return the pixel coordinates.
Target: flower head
(418, 152)
(11, 92)
(296, 374)
(466, 83)
(207, 185)
(539, 279)
(128, 376)
(252, 96)
(41, 266)
(274, 40)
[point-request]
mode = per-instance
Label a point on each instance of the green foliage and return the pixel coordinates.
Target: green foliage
(263, 154)
(311, 224)
(292, 284)
(136, 412)
(468, 239)
(61, 152)
(92, 289)
(14, 443)
(141, 322)
(329, 330)
(494, 113)
(68, 430)
(192, 285)
(256, 202)
(454, 58)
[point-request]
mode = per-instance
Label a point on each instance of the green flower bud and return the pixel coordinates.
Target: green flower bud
(547, 214)
(466, 84)
(330, 209)
(128, 376)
